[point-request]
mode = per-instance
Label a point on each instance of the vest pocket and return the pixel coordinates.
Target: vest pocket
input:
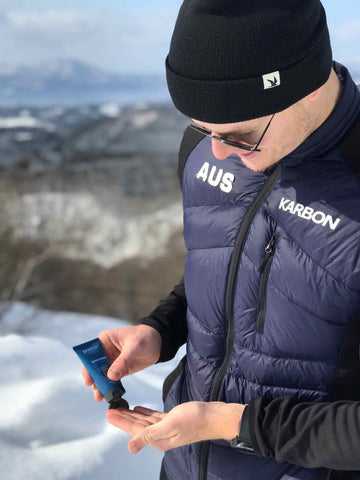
(170, 379)
(264, 269)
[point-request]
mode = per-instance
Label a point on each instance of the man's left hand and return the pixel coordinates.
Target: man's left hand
(186, 423)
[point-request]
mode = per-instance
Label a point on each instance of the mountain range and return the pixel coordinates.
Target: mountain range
(71, 81)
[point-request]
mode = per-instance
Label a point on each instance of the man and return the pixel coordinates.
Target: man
(271, 185)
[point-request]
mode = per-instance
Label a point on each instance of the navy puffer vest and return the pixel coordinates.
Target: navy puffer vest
(272, 281)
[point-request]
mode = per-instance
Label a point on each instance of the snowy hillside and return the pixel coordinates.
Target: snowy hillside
(99, 197)
(50, 426)
(87, 228)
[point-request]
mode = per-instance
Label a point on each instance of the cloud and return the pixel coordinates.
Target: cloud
(122, 41)
(47, 20)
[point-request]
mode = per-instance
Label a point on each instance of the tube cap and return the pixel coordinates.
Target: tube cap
(114, 397)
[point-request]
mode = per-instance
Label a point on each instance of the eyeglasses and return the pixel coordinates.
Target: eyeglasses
(244, 146)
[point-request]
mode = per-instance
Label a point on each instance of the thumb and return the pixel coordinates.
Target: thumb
(119, 368)
(148, 436)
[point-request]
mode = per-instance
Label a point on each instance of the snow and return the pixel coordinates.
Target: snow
(111, 110)
(110, 237)
(50, 426)
(23, 136)
(25, 121)
(143, 119)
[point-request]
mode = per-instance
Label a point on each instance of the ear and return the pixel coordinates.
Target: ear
(313, 96)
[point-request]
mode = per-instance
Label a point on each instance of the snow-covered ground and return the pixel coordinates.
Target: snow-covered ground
(50, 426)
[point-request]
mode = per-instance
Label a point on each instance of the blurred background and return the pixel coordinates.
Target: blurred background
(90, 216)
(90, 209)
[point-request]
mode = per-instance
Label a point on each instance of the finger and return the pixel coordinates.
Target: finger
(161, 431)
(97, 395)
(163, 444)
(148, 436)
(87, 379)
(145, 419)
(119, 368)
(128, 424)
(131, 414)
(149, 412)
(111, 342)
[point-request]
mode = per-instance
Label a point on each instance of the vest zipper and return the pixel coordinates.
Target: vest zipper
(230, 294)
(264, 269)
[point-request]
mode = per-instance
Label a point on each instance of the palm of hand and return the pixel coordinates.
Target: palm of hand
(184, 424)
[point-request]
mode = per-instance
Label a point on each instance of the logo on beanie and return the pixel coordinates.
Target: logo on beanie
(271, 80)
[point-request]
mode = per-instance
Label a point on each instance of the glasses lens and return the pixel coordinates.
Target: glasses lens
(248, 146)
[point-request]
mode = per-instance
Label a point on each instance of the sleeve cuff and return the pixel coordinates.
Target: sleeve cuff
(253, 418)
(244, 426)
(167, 351)
(243, 441)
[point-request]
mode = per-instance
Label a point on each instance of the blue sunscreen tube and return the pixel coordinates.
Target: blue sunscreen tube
(97, 364)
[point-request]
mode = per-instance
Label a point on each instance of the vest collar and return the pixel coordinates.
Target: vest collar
(334, 127)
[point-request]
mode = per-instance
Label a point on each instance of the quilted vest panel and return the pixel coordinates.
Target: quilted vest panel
(278, 325)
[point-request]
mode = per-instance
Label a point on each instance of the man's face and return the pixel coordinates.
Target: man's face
(287, 131)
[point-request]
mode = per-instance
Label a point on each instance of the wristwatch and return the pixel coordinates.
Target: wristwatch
(243, 441)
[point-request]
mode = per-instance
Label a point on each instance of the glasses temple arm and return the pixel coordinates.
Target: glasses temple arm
(263, 134)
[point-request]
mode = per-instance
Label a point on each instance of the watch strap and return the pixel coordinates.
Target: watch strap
(243, 440)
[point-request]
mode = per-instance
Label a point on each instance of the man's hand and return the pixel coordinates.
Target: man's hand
(129, 350)
(187, 423)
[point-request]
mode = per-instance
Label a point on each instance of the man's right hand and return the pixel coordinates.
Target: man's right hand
(129, 350)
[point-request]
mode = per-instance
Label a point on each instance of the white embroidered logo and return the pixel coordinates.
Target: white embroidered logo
(271, 80)
(215, 177)
(308, 213)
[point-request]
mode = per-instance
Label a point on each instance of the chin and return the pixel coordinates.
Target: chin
(254, 162)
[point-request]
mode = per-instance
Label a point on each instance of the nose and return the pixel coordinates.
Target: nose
(221, 150)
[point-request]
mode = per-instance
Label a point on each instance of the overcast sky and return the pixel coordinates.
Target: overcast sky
(126, 35)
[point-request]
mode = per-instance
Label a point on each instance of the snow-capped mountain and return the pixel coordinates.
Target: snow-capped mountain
(66, 78)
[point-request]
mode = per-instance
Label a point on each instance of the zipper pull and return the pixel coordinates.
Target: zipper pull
(269, 251)
(270, 246)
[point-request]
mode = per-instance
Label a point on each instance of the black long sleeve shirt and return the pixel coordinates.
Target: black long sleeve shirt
(169, 319)
(303, 433)
(307, 434)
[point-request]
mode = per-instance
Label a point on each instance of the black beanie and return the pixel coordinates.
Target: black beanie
(235, 60)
